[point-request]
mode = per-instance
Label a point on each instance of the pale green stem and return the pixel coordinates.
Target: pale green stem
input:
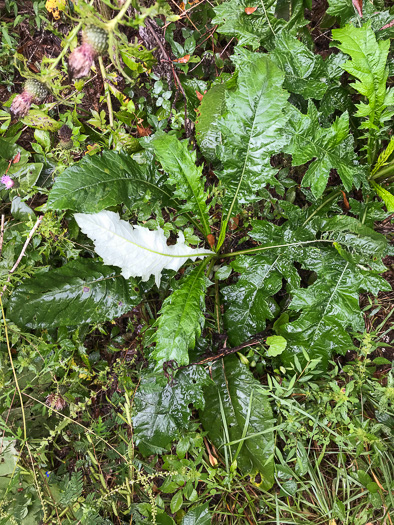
(115, 21)
(261, 248)
(330, 198)
(67, 43)
(384, 172)
(109, 102)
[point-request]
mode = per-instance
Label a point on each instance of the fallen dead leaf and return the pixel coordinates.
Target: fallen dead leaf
(211, 240)
(250, 10)
(17, 158)
(183, 60)
(199, 95)
(143, 132)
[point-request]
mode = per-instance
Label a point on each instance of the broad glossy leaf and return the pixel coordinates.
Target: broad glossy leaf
(327, 148)
(369, 65)
(181, 319)
(252, 131)
(235, 19)
(233, 386)
(180, 164)
(139, 252)
(208, 134)
(250, 30)
(81, 291)
(306, 72)
(249, 302)
(329, 308)
(162, 411)
(199, 515)
(97, 182)
(344, 9)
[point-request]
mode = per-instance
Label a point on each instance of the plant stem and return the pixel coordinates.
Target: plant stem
(329, 199)
(261, 248)
(67, 43)
(29, 238)
(115, 21)
(14, 371)
(109, 102)
(384, 172)
(211, 264)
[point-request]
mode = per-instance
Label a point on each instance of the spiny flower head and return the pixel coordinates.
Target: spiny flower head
(94, 43)
(65, 134)
(33, 91)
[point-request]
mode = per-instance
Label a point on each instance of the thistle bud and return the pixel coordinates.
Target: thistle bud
(94, 44)
(64, 135)
(33, 91)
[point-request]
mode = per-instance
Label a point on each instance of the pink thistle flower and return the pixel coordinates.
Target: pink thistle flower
(81, 60)
(21, 104)
(94, 44)
(33, 91)
(7, 181)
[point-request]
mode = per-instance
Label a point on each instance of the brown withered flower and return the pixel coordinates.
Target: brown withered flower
(56, 401)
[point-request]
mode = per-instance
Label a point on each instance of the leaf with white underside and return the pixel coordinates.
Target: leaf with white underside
(181, 319)
(139, 252)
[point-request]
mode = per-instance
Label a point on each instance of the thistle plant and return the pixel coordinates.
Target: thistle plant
(94, 44)
(33, 91)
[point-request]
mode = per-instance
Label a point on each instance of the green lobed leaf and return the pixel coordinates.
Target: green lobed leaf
(180, 164)
(329, 307)
(181, 319)
(345, 256)
(97, 182)
(369, 65)
(162, 411)
(252, 131)
(306, 72)
(199, 515)
(81, 291)
(344, 9)
(261, 26)
(385, 195)
(250, 30)
(249, 302)
(208, 134)
(232, 387)
(327, 148)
